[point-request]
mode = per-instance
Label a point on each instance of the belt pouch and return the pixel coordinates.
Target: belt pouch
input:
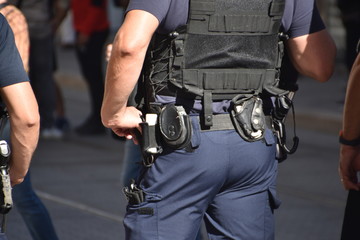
(149, 142)
(175, 126)
(248, 117)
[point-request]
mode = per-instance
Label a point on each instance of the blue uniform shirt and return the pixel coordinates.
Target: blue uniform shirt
(11, 66)
(301, 17)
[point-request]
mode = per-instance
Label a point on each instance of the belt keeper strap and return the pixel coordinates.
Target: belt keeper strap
(207, 105)
(221, 122)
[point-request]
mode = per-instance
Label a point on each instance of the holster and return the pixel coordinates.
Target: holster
(171, 129)
(248, 117)
(149, 142)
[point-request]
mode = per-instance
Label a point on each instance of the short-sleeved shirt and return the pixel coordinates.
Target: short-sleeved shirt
(300, 17)
(11, 66)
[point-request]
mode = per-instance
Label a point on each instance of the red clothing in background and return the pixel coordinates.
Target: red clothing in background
(89, 15)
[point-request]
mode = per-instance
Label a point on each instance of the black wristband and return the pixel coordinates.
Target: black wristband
(353, 143)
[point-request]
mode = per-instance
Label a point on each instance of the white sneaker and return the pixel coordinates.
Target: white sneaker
(51, 133)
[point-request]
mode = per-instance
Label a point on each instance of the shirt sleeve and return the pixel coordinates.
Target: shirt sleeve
(11, 67)
(158, 8)
(301, 17)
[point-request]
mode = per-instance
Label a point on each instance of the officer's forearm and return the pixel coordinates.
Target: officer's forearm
(351, 126)
(121, 78)
(24, 122)
(19, 162)
(122, 74)
(24, 138)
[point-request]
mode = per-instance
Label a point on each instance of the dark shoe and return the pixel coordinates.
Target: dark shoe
(90, 127)
(62, 124)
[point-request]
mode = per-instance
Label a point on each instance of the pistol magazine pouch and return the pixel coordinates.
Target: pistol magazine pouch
(175, 126)
(248, 117)
(149, 142)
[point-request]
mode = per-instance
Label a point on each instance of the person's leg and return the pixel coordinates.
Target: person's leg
(181, 186)
(178, 188)
(91, 58)
(41, 78)
(61, 121)
(243, 208)
(3, 236)
(350, 225)
(131, 163)
(33, 211)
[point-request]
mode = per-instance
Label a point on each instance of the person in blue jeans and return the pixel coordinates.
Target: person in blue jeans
(33, 211)
(29, 205)
(41, 61)
(19, 99)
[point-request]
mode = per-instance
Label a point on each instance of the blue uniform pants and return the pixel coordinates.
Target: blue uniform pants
(227, 181)
(33, 211)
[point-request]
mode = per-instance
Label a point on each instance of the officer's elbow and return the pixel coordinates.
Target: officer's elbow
(325, 67)
(32, 121)
(320, 70)
(126, 47)
(324, 73)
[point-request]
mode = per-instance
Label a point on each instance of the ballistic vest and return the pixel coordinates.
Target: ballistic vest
(227, 48)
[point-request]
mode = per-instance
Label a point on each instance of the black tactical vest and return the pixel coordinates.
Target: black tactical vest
(227, 48)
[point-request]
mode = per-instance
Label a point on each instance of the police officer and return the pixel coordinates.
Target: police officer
(226, 172)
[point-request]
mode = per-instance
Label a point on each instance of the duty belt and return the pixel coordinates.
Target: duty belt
(220, 122)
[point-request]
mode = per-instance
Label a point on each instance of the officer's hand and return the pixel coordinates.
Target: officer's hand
(128, 124)
(349, 165)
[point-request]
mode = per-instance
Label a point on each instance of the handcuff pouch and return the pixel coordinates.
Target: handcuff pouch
(175, 126)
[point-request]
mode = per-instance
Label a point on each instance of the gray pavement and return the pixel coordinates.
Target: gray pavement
(79, 179)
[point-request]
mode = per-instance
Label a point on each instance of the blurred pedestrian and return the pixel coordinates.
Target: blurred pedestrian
(207, 150)
(30, 207)
(59, 9)
(41, 61)
(350, 16)
(20, 102)
(91, 25)
(349, 165)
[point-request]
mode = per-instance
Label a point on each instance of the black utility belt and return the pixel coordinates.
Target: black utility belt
(172, 126)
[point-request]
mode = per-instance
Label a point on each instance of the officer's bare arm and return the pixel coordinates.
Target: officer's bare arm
(313, 55)
(351, 118)
(350, 155)
(125, 63)
(349, 163)
(24, 122)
